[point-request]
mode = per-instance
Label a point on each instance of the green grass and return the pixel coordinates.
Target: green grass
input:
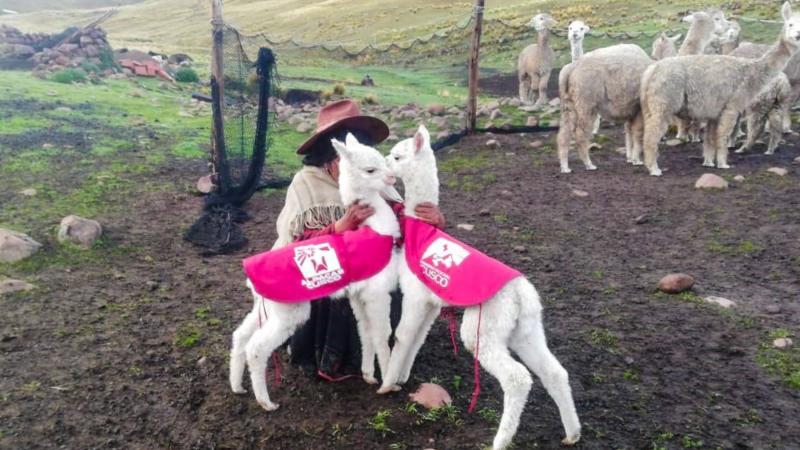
(188, 336)
(605, 339)
(781, 363)
(22, 123)
(379, 423)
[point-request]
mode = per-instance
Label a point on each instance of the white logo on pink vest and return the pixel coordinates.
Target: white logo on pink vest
(441, 256)
(318, 264)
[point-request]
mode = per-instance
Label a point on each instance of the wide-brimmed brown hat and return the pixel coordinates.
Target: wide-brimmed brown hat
(345, 114)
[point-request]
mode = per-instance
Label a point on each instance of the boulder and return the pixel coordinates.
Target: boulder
(779, 171)
(492, 143)
(676, 283)
(23, 51)
(465, 226)
(711, 181)
(436, 109)
(555, 102)
(30, 192)
(532, 121)
(738, 178)
(8, 286)
(782, 343)
(723, 302)
(206, 185)
(431, 396)
(496, 113)
(304, 127)
(80, 231)
(537, 144)
(16, 246)
(579, 193)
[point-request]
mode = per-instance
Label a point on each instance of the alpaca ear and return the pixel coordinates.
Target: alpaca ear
(422, 139)
(351, 140)
(689, 18)
(586, 29)
(675, 38)
(786, 11)
(340, 148)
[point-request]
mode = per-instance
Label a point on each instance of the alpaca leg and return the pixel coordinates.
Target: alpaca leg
(238, 358)
(583, 134)
(529, 343)
(367, 349)
(596, 128)
(755, 126)
(544, 80)
(637, 135)
(524, 89)
(683, 130)
(655, 126)
(628, 142)
(534, 84)
(723, 129)
(274, 332)
(775, 130)
(377, 307)
(708, 146)
(421, 335)
(564, 138)
(414, 312)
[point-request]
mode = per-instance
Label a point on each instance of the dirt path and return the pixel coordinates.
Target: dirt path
(129, 350)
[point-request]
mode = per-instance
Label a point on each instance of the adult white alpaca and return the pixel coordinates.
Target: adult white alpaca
(536, 61)
(363, 176)
(510, 320)
(664, 47)
(576, 32)
(711, 88)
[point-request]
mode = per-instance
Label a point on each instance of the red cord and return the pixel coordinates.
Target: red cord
(474, 401)
(450, 315)
(276, 361)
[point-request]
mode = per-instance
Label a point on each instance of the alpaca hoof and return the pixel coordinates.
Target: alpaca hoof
(708, 164)
(389, 389)
(570, 441)
(723, 166)
(655, 172)
(637, 162)
(566, 170)
(269, 406)
(591, 167)
(741, 150)
(239, 390)
(369, 379)
(769, 152)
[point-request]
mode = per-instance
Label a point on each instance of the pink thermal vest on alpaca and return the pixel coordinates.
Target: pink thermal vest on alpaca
(456, 272)
(316, 268)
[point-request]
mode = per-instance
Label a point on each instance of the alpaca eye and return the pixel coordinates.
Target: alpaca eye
(370, 171)
(397, 158)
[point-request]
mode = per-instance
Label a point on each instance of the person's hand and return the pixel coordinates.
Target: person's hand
(355, 215)
(430, 214)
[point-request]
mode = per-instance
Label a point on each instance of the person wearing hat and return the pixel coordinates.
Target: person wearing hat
(328, 344)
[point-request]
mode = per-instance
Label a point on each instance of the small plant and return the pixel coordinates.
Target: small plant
(783, 363)
(490, 415)
(598, 274)
(188, 337)
(370, 99)
(630, 375)
(604, 339)
(325, 95)
(69, 76)
(691, 442)
(456, 382)
(689, 296)
(339, 89)
(661, 439)
(378, 423)
(186, 75)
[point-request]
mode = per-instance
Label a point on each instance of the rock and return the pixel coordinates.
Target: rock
(431, 396)
(30, 192)
(202, 361)
(296, 120)
(797, 160)
(711, 181)
(520, 249)
(555, 102)
(579, 193)
(782, 343)
(676, 283)
(779, 171)
(532, 121)
(410, 132)
(465, 226)
(496, 113)
(304, 127)
(641, 219)
(484, 212)
(440, 122)
(453, 111)
(16, 246)
(206, 185)
(80, 231)
(492, 105)
(773, 309)
(674, 142)
(492, 143)
(738, 178)
(537, 144)
(392, 138)
(723, 302)
(8, 286)
(510, 154)
(514, 102)
(442, 135)
(621, 150)
(436, 109)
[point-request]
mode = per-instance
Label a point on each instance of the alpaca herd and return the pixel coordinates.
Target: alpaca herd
(706, 88)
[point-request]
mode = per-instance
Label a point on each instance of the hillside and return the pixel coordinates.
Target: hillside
(172, 25)
(29, 6)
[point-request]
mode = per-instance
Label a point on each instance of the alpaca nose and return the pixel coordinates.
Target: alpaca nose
(390, 179)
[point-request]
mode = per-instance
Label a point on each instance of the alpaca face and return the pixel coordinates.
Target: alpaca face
(576, 31)
(732, 35)
(542, 22)
(791, 25)
(404, 156)
(363, 171)
(721, 25)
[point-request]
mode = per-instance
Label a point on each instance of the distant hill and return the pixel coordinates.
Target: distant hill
(183, 25)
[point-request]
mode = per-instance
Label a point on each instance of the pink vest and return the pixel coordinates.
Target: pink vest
(316, 268)
(456, 272)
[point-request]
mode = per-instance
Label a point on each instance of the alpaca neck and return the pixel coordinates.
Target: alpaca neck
(697, 39)
(423, 187)
(765, 69)
(543, 38)
(729, 47)
(577, 49)
(383, 221)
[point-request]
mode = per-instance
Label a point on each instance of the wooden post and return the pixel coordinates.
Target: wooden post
(472, 101)
(220, 170)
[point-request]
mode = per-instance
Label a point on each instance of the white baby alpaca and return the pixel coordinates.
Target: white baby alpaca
(511, 320)
(363, 176)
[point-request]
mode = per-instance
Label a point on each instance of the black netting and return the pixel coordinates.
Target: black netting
(241, 121)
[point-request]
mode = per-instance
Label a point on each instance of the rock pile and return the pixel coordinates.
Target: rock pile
(88, 46)
(18, 44)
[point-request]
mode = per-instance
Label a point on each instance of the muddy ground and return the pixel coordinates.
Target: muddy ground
(129, 350)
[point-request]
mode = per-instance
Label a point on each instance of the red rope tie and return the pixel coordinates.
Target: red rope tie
(477, 367)
(450, 315)
(276, 361)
